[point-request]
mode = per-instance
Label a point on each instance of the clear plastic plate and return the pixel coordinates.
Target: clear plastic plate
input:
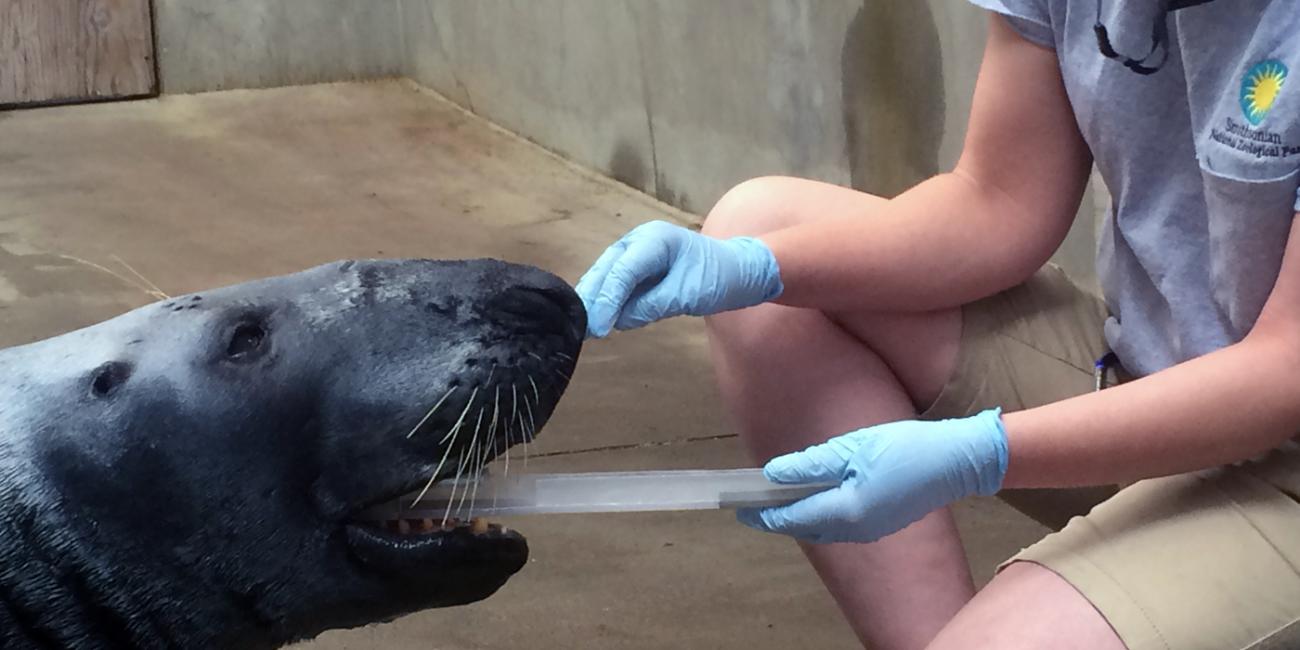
(599, 492)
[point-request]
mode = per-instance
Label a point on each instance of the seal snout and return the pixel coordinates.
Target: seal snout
(466, 359)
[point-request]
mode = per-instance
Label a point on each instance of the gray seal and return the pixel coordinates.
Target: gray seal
(189, 474)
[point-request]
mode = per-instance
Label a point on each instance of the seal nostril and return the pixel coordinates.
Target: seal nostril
(532, 310)
(108, 377)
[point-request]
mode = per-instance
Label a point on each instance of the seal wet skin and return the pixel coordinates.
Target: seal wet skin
(190, 474)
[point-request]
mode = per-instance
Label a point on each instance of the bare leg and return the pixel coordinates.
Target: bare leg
(1027, 607)
(793, 377)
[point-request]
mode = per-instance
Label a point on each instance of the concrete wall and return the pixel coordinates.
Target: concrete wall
(683, 99)
(679, 98)
(212, 45)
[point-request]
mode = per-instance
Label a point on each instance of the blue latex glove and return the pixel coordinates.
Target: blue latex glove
(890, 476)
(659, 270)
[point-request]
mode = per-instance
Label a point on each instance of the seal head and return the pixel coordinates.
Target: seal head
(191, 473)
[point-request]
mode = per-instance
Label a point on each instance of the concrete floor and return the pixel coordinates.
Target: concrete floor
(193, 192)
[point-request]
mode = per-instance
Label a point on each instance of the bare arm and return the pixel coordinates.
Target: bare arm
(959, 236)
(1220, 408)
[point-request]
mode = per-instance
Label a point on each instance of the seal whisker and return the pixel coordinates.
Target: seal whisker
(514, 405)
(434, 476)
(485, 452)
(492, 428)
(461, 419)
(515, 414)
(510, 433)
(143, 279)
(528, 433)
(476, 475)
(468, 459)
(478, 459)
(135, 285)
(532, 425)
(564, 356)
(557, 371)
(537, 397)
(492, 435)
(451, 498)
(432, 411)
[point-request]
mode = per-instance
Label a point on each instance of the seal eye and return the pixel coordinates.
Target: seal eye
(245, 342)
(108, 377)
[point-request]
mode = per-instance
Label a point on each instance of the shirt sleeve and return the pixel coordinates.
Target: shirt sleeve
(1030, 18)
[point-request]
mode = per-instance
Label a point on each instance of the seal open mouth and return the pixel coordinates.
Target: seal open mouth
(416, 547)
(394, 544)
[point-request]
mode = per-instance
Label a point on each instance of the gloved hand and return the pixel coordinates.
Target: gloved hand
(890, 476)
(659, 270)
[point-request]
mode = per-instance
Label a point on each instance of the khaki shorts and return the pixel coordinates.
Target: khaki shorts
(1208, 560)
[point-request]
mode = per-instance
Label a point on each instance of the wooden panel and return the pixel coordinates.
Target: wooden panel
(59, 51)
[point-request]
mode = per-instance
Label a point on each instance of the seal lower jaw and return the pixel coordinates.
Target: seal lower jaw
(452, 566)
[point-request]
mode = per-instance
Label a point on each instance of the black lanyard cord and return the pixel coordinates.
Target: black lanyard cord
(1159, 37)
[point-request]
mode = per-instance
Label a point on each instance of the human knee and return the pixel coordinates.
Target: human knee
(773, 338)
(750, 208)
(1028, 606)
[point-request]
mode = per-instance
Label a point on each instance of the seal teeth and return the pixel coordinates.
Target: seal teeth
(475, 526)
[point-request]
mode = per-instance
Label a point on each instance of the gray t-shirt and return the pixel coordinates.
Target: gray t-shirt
(1202, 159)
